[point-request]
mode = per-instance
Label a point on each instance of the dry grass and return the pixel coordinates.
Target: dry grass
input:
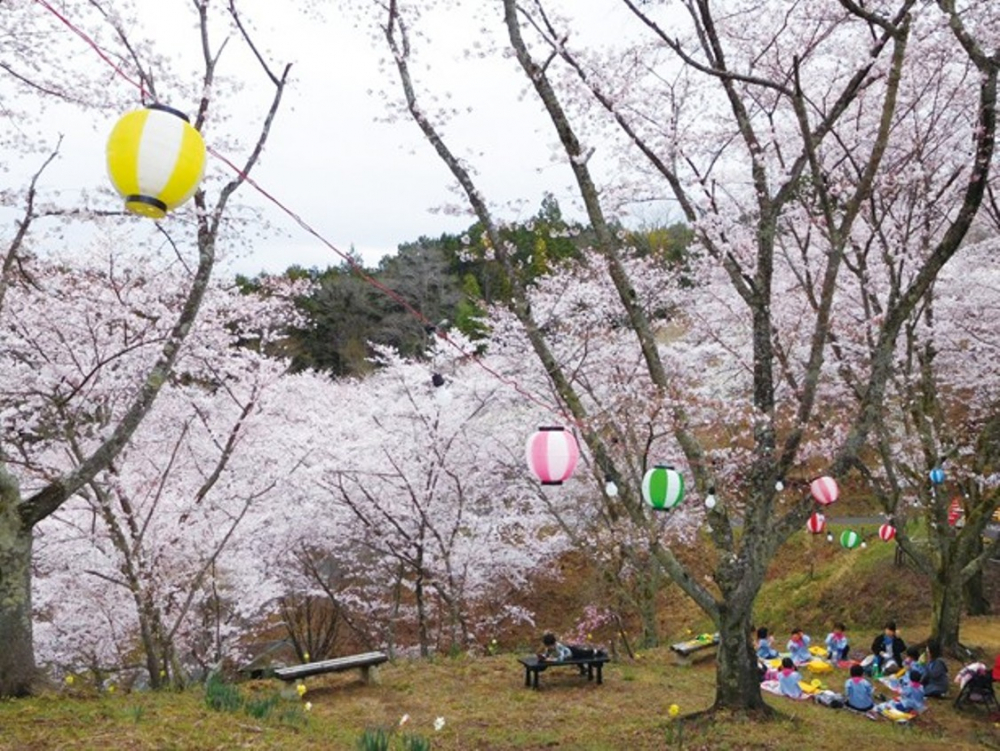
(485, 705)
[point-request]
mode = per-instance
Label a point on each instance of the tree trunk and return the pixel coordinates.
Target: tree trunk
(737, 685)
(422, 632)
(946, 613)
(17, 656)
(974, 591)
(976, 601)
(650, 584)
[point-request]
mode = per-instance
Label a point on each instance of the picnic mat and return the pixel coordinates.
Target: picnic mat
(896, 716)
(808, 689)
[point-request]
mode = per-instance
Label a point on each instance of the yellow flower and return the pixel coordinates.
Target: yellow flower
(301, 688)
(305, 657)
(69, 680)
(111, 689)
(308, 706)
(674, 710)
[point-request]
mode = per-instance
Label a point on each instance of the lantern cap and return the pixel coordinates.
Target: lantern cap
(147, 206)
(171, 110)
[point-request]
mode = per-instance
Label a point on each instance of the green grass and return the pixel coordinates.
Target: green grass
(485, 705)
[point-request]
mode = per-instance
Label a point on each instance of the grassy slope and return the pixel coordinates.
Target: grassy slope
(486, 706)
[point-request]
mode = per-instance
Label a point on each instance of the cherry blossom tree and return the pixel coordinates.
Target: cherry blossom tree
(41, 83)
(171, 506)
(940, 413)
(428, 480)
(773, 127)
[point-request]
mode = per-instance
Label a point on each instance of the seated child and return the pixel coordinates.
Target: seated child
(858, 691)
(798, 646)
(836, 643)
(788, 679)
(911, 697)
(765, 645)
(912, 661)
(935, 677)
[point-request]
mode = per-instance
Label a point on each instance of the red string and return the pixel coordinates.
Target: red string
(359, 270)
(355, 266)
(104, 56)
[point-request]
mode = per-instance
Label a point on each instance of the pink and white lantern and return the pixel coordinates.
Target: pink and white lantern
(886, 532)
(824, 490)
(816, 524)
(552, 454)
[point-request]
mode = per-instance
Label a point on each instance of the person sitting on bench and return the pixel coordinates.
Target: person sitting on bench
(556, 651)
(553, 649)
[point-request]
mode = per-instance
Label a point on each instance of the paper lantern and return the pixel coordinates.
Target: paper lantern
(886, 532)
(816, 524)
(849, 539)
(937, 475)
(552, 455)
(955, 512)
(663, 487)
(155, 160)
(824, 490)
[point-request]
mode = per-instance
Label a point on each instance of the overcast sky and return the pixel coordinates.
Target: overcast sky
(331, 158)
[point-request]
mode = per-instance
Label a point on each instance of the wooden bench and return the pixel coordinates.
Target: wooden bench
(685, 649)
(592, 666)
(367, 662)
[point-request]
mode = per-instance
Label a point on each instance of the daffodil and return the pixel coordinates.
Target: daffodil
(308, 706)
(674, 710)
(439, 723)
(301, 688)
(69, 680)
(305, 657)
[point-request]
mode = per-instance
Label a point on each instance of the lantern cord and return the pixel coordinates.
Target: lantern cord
(356, 268)
(96, 47)
(359, 270)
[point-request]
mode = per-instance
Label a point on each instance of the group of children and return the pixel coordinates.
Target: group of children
(889, 656)
(837, 646)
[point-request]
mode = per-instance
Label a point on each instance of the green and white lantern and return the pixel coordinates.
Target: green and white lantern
(849, 539)
(663, 487)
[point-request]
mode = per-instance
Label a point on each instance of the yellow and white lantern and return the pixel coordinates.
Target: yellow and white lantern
(155, 160)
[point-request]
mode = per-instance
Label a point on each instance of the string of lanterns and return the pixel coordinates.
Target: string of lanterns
(156, 160)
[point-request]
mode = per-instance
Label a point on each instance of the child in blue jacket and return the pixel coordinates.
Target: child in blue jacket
(837, 645)
(765, 645)
(788, 679)
(858, 691)
(798, 646)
